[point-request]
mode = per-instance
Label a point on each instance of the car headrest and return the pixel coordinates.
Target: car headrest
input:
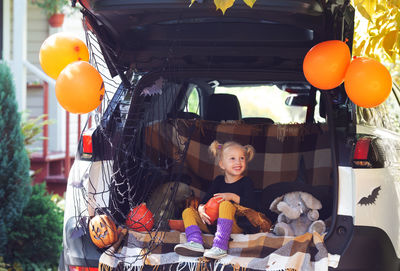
(256, 120)
(186, 115)
(223, 107)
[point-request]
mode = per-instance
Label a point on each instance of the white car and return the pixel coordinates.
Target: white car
(190, 75)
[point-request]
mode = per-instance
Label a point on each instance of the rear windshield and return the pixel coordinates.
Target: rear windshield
(269, 102)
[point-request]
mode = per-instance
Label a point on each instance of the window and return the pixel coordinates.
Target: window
(193, 101)
(267, 101)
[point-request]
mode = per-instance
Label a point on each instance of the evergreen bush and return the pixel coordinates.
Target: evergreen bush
(36, 241)
(14, 162)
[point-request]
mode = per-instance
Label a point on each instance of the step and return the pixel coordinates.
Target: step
(56, 184)
(56, 179)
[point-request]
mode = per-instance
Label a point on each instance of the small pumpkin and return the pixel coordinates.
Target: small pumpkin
(140, 218)
(212, 209)
(103, 231)
(192, 202)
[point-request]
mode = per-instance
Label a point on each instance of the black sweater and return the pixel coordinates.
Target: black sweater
(243, 188)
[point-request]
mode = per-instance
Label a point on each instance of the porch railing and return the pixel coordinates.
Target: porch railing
(48, 81)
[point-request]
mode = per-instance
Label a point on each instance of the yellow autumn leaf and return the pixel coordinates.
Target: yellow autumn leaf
(394, 4)
(380, 17)
(370, 6)
(397, 45)
(363, 11)
(357, 2)
(373, 32)
(397, 18)
(250, 3)
(223, 5)
(389, 42)
(367, 50)
(357, 50)
(380, 7)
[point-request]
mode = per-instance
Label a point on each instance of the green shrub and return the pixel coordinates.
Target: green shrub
(32, 129)
(14, 162)
(36, 240)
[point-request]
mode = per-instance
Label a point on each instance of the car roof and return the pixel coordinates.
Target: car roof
(168, 34)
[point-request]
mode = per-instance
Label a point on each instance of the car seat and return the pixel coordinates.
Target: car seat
(223, 107)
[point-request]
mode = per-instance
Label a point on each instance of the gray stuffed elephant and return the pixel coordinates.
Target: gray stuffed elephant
(298, 214)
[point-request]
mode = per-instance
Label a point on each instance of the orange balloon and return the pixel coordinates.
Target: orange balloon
(325, 64)
(59, 50)
(79, 88)
(367, 82)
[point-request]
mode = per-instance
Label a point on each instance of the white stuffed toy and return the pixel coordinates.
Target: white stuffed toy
(298, 214)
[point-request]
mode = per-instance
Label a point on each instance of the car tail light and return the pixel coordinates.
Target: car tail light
(82, 268)
(362, 152)
(87, 144)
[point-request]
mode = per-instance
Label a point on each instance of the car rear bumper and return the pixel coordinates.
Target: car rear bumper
(369, 249)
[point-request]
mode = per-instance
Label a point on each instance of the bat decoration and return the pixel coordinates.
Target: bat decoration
(370, 199)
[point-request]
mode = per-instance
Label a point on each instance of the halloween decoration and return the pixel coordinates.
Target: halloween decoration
(140, 219)
(298, 214)
(212, 209)
(59, 50)
(367, 82)
(325, 64)
(79, 88)
(103, 231)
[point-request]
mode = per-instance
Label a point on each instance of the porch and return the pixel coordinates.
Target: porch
(24, 28)
(53, 156)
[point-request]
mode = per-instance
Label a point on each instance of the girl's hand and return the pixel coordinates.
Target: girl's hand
(202, 212)
(227, 196)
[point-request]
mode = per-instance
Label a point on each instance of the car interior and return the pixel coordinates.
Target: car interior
(173, 128)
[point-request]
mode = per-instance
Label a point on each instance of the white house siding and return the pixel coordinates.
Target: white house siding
(34, 104)
(38, 31)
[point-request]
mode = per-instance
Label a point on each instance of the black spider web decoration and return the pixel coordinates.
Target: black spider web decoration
(134, 168)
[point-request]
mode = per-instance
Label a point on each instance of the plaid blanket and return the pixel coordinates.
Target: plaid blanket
(278, 149)
(261, 251)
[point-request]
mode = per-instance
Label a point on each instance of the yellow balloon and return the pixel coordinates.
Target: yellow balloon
(79, 88)
(59, 50)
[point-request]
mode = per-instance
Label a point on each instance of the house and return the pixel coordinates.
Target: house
(28, 26)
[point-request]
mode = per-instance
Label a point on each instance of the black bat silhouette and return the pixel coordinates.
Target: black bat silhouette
(371, 198)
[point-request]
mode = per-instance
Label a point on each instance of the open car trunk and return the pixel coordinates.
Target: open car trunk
(163, 161)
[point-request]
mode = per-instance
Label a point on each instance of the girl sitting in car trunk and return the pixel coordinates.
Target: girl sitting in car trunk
(232, 187)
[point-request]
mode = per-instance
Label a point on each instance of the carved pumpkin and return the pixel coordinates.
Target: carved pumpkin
(212, 209)
(103, 231)
(140, 218)
(192, 202)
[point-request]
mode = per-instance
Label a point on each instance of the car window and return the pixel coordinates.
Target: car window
(193, 101)
(267, 102)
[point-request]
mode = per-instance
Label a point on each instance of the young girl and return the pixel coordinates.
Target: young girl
(233, 186)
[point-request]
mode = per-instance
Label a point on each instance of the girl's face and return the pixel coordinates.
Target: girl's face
(233, 162)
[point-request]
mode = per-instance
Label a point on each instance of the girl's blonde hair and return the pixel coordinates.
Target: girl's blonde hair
(216, 148)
